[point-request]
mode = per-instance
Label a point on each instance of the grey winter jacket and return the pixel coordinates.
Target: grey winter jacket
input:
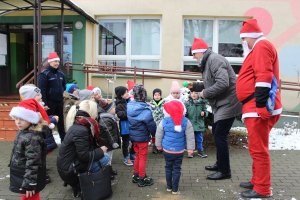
(219, 86)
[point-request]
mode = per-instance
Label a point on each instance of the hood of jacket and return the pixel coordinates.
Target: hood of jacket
(136, 108)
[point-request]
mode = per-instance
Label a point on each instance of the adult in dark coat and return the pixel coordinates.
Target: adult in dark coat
(52, 84)
(80, 144)
(219, 90)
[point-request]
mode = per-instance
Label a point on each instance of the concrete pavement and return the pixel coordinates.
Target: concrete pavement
(193, 183)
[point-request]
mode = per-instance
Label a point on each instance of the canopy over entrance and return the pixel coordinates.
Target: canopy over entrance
(37, 6)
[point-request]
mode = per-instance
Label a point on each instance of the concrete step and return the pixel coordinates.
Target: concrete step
(8, 134)
(4, 113)
(7, 123)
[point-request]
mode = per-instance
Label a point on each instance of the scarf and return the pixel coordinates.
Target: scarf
(203, 62)
(92, 124)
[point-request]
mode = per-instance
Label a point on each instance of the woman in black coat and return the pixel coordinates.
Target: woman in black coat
(80, 145)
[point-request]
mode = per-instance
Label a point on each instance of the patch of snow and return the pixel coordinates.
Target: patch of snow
(281, 138)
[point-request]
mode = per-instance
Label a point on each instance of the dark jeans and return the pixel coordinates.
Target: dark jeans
(220, 130)
(173, 170)
(199, 140)
(125, 145)
(57, 108)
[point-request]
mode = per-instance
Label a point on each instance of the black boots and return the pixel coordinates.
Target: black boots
(218, 176)
(213, 167)
(113, 173)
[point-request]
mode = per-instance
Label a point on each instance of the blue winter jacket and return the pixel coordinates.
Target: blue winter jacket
(174, 141)
(141, 122)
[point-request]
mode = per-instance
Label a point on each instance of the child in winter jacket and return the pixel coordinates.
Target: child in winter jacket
(157, 104)
(174, 134)
(28, 159)
(141, 127)
(196, 113)
(174, 92)
(30, 91)
(122, 98)
(110, 135)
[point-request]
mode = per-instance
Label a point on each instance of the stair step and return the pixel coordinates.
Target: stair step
(7, 123)
(8, 134)
(4, 113)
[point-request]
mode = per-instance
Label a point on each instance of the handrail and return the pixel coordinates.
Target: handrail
(155, 73)
(140, 72)
(26, 79)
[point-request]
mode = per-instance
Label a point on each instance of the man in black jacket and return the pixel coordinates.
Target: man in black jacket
(52, 84)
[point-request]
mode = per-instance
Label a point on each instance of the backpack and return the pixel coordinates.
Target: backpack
(109, 131)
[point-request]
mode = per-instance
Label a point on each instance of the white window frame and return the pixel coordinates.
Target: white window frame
(215, 45)
(128, 57)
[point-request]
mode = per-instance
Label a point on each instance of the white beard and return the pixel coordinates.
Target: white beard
(245, 49)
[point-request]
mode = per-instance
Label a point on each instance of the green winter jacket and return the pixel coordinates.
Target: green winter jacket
(157, 110)
(193, 113)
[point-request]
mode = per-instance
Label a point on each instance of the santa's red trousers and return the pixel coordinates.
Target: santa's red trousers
(258, 144)
(141, 156)
(34, 197)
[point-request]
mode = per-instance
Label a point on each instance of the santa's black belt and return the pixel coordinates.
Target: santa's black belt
(248, 99)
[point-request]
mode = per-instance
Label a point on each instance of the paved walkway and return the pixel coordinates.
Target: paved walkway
(193, 185)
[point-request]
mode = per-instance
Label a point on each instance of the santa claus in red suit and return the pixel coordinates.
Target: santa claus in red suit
(256, 88)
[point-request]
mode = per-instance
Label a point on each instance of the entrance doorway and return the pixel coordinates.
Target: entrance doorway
(4, 69)
(20, 53)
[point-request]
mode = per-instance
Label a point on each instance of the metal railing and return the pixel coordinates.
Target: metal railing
(152, 73)
(139, 73)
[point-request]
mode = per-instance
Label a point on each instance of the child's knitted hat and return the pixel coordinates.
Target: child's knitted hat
(29, 91)
(139, 92)
(175, 87)
(157, 90)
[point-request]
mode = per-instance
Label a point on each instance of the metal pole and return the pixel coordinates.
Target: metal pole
(39, 26)
(134, 74)
(143, 80)
(34, 43)
(62, 32)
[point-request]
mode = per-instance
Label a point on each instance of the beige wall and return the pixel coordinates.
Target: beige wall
(172, 13)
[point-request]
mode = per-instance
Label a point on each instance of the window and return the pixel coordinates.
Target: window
(129, 42)
(222, 36)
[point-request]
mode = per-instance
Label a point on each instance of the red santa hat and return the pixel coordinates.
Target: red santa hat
(199, 46)
(130, 84)
(176, 110)
(250, 29)
(53, 57)
(90, 87)
(29, 110)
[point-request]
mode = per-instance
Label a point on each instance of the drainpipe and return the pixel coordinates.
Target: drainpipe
(34, 42)
(39, 32)
(62, 32)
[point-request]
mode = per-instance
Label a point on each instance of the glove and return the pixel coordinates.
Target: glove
(115, 145)
(263, 113)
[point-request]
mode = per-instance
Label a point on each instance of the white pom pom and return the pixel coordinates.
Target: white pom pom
(178, 128)
(51, 126)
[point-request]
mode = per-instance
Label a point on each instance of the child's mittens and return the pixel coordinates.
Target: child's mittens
(53, 120)
(115, 145)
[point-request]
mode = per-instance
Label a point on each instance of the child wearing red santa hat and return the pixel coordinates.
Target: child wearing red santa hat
(174, 134)
(28, 159)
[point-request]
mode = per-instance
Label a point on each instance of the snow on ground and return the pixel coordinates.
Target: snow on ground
(287, 138)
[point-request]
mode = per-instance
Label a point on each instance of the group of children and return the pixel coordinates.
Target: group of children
(172, 124)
